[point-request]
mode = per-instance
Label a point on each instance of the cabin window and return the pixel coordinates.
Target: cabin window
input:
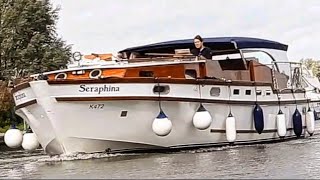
(161, 89)
(190, 74)
(236, 91)
(258, 56)
(248, 92)
(317, 117)
(96, 73)
(268, 93)
(258, 92)
(146, 73)
(232, 64)
(123, 113)
(61, 76)
(215, 91)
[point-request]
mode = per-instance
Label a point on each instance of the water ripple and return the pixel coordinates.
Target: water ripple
(298, 158)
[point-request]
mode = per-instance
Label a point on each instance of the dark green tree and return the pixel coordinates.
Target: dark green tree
(28, 39)
(29, 44)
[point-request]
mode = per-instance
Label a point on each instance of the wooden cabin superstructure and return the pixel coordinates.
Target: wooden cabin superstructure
(172, 62)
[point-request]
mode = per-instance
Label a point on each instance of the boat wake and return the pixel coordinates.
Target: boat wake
(222, 148)
(40, 156)
(314, 139)
(20, 156)
(81, 156)
(85, 156)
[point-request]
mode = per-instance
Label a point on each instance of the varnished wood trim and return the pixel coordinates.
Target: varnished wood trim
(28, 103)
(175, 71)
(160, 80)
(251, 70)
(20, 86)
(250, 131)
(203, 69)
(169, 80)
(146, 98)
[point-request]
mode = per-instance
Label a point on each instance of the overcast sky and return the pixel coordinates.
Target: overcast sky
(103, 26)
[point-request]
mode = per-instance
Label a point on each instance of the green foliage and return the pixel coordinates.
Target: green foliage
(3, 129)
(5, 97)
(28, 44)
(28, 39)
(313, 65)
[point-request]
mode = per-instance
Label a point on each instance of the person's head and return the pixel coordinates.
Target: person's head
(198, 41)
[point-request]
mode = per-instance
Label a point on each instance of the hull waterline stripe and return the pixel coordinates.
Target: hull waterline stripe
(256, 141)
(178, 148)
(250, 131)
(28, 103)
(146, 98)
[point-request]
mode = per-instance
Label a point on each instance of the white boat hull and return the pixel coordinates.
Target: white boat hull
(64, 126)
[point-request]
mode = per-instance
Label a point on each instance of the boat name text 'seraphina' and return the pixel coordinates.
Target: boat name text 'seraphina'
(105, 88)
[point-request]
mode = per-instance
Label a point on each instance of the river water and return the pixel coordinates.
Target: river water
(298, 158)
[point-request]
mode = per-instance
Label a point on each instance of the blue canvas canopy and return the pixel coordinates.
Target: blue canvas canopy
(218, 43)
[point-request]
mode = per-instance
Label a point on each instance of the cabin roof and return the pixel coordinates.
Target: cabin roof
(216, 43)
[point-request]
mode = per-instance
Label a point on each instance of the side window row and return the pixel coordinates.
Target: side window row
(215, 91)
(248, 92)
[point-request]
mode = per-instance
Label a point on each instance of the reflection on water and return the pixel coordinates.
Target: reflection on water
(292, 159)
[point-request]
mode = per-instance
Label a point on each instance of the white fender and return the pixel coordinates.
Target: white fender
(13, 138)
(30, 142)
(310, 122)
(202, 120)
(281, 124)
(231, 132)
(161, 125)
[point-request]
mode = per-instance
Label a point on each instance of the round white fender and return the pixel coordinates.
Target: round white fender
(310, 122)
(202, 120)
(231, 132)
(30, 142)
(281, 124)
(161, 125)
(13, 138)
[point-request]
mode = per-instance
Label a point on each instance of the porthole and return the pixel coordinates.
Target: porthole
(95, 74)
(161, 89)
(215, 91)
(61, 76)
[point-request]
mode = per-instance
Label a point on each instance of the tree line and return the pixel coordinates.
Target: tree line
(29, 44)
(313, 65)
